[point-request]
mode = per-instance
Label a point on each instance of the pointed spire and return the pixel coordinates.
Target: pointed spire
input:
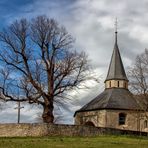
(116, 69)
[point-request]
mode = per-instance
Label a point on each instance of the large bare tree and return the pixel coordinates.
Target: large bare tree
(39, 65)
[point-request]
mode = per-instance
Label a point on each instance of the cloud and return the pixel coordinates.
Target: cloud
(91, 22)
(9, 114)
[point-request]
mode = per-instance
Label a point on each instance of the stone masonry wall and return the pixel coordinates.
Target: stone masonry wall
(96, 117)
(22, 130)
(135, 121)
(36, 129)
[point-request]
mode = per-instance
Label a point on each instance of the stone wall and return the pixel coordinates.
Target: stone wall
(131, 122)
(134, 120)
(98, 118)
(72, 130)
(14, 130)
(23, 130)
(110, 119)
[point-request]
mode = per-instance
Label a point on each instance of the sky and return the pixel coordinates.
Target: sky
(91, 23)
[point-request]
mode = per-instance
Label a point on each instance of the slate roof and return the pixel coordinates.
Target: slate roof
(116, 68)
(113, 98)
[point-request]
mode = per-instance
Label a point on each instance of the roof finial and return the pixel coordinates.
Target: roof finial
(116, 25)
(116, 29)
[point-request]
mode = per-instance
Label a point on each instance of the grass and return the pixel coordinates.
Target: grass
(75, 142)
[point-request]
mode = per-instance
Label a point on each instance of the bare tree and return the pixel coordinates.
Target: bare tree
(59, 117)
(39, 64)
(138, 74)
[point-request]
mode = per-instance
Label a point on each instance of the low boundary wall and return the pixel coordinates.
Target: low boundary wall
(43, 129)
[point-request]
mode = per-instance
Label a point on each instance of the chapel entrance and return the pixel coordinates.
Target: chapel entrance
(89, 123)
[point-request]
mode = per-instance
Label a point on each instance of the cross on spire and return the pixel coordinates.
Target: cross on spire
(116, 25)
(116, 30)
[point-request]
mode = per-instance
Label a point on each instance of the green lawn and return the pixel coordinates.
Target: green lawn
(75, 142)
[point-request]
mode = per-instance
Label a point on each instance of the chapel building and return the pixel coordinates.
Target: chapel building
(116, 107)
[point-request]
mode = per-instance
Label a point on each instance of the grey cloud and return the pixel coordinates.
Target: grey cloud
(9, 114)
(91, 22)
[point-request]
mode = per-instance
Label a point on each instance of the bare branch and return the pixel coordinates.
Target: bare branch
(42, 63)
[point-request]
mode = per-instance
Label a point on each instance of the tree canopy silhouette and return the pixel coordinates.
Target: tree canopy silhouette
(39, 64)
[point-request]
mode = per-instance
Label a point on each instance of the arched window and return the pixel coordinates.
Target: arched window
(145, 124)
(122, 118)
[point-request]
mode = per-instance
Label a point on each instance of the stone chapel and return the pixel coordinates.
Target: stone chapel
(116, 107)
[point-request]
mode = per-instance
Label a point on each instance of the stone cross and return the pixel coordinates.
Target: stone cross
(19, 109)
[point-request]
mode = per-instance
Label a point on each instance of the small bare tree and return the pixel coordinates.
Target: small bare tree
(39, 62)
(138, 75)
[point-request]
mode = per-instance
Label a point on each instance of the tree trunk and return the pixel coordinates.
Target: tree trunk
(48, 113)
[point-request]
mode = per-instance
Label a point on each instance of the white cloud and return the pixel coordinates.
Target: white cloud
(91, 22)
(9, 114)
